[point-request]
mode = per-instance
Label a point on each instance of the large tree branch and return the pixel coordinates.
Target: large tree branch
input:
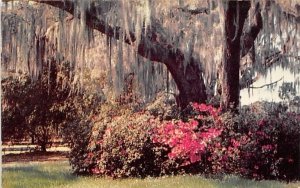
(251, 30)
(152, 44)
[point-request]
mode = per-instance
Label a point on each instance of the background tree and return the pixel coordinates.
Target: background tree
(32, 108)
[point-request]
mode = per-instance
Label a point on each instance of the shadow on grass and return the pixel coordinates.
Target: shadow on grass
(33, 175)
(34, 156)
(34, 172)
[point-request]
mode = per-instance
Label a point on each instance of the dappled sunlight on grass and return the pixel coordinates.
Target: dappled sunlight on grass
(58, 174)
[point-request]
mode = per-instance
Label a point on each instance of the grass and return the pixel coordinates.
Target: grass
(58, 175)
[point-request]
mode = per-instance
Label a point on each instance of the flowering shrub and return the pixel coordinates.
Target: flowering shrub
(187, 140)
(247, 144)
(251, 144)
(120, 145)
(271, 145)
(258, 152)
(77, 128)
(124, 144)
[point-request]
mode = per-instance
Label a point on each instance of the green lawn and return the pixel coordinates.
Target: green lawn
(58, 174)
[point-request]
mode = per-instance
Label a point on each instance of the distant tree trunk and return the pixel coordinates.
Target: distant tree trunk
(235, 16)
(42, 144)
(44, 147)
(32, 139)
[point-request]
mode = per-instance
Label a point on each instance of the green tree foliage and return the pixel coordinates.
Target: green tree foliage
(287, 91)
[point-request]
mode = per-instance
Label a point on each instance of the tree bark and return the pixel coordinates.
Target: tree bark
(235, 16)
(189, 81)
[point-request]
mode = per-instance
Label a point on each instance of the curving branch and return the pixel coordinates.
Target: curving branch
(266, 85)
(149, 47)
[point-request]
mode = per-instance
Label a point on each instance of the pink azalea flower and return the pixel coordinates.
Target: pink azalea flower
(194, 158)
(193, 124)
(96, 170)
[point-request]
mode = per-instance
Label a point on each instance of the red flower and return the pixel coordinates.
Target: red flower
(96, 170)
(184, 139)
(262, 122)
(171, 155)
(90, 155)
(261, 133)
(211, 133)
(268, 147)
(193, 124)
(194, 158)
(235, 143)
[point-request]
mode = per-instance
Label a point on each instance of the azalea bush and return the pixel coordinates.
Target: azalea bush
(248, 144)
(77, 126)
(259, 147)
(123, 143)
(120, 144)
(289, 146)
(206, 143)
(188, 140)
(271, 148)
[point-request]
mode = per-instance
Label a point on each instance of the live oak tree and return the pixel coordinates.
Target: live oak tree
(195, 40)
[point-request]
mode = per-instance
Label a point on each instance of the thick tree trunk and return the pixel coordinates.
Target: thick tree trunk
(251, 31)
(189, 81)
(235, 17)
